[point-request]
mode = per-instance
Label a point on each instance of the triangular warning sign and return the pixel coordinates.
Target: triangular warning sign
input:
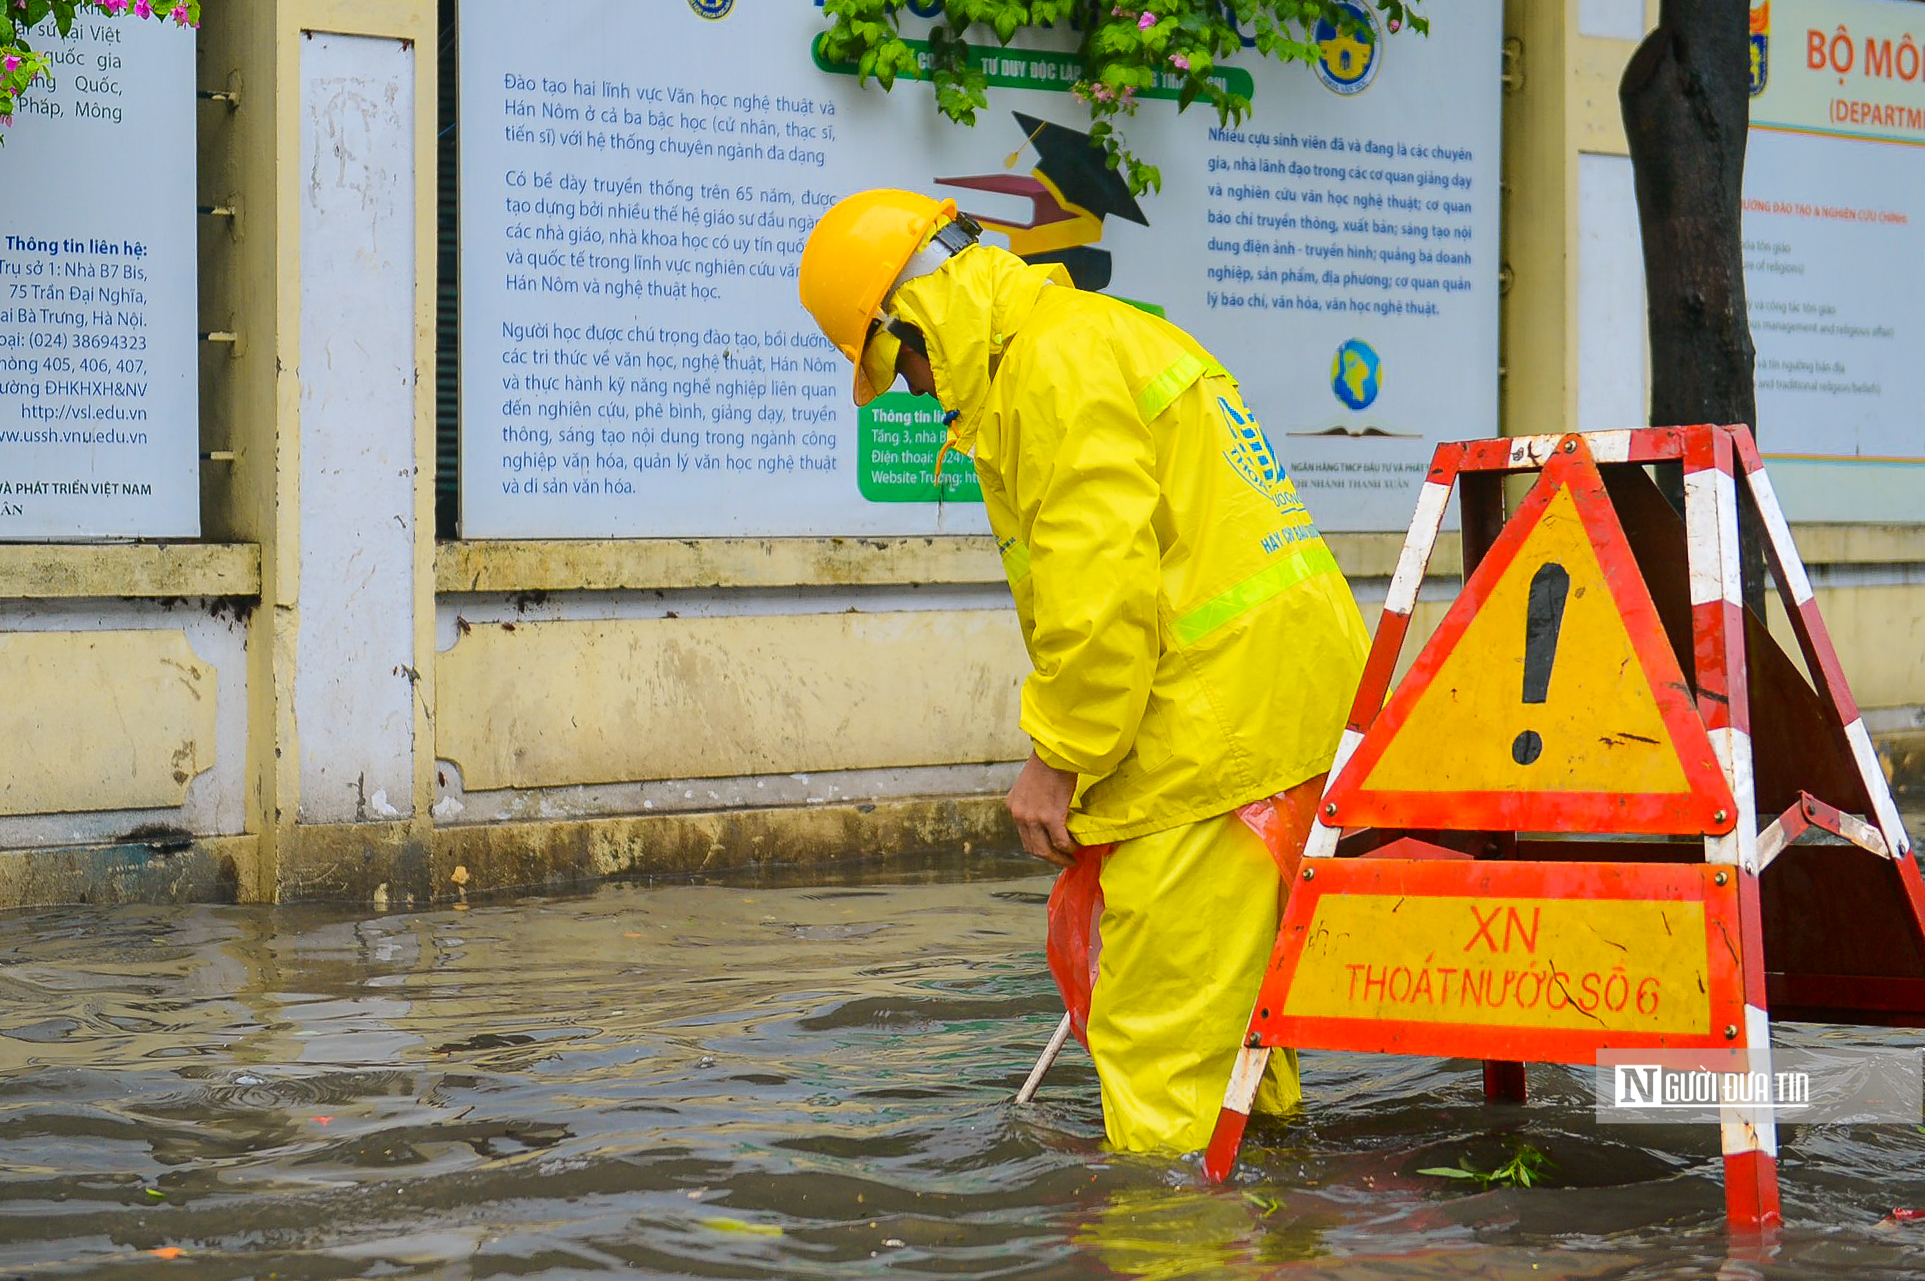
(1548, 699)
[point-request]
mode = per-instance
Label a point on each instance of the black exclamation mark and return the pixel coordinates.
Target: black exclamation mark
(1543, 617)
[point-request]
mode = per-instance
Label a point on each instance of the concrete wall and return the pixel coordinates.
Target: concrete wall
(320, 701)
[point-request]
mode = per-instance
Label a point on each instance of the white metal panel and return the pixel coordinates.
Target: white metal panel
(1612, 19)
(1611, 348)
(354, 658)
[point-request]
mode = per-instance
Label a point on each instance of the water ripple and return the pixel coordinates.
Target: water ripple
(772, 1078)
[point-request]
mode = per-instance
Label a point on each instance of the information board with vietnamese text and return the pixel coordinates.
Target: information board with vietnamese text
(637, 183)
(99, 386)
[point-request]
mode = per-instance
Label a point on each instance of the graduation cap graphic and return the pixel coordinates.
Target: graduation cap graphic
(1071, 190)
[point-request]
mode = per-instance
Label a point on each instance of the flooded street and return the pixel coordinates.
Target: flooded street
(757, 1079)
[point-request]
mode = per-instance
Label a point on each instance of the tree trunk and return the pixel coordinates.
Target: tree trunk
(1686, 101)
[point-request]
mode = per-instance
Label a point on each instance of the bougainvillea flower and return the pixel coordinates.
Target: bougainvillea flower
(1145, 22)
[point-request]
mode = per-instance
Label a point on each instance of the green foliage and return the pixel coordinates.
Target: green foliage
(1266, 1203)
(21, 64)
(1526, 1167)
(1125, 46)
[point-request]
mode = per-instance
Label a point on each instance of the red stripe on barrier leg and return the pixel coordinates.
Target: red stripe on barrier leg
(1246, 1075)
(1809, 627)
(1751, 1192)
(1379, 668)
(1225, 1142)
(1503, 1082)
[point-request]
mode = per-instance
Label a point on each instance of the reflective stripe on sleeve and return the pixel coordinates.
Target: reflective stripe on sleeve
(1161, 391)
(1015, 560)
(1270, 581)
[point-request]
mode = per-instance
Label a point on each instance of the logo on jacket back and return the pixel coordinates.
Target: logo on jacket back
(1254, 460)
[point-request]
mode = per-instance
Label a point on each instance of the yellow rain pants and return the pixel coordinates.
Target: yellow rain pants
(1189, 917)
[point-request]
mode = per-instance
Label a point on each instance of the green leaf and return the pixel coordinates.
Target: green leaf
(1452, 1172)
(739, 1225)
(1118, 57)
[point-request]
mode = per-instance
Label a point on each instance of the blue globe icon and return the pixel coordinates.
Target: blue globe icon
(1356, 375)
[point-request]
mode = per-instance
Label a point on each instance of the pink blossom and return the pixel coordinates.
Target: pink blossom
(1145, 22)
(143, 8)
(1180, 62)
(180, 17)
(6, 122)
(12, 63)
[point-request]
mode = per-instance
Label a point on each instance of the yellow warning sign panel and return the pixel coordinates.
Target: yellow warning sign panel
(1595, 726)
(1541, 963)
(1494, 959)
(1548, 699)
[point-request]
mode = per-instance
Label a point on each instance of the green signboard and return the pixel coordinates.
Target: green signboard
(897, 444)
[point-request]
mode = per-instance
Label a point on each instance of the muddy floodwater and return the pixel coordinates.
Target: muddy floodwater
(767, 1079)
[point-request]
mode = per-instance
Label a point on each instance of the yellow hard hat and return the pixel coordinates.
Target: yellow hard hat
(854, 257)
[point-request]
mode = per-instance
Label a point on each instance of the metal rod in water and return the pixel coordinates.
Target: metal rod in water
(1043, 1061)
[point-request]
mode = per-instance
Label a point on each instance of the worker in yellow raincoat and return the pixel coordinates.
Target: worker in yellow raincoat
(1195, 646)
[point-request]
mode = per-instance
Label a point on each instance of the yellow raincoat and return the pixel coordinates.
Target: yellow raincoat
(1195, 646)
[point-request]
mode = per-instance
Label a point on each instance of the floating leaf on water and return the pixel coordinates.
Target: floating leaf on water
(739, 1225)
(1526, 1168)
(1268, 1204)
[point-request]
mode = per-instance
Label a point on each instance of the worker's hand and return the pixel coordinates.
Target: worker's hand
(1040, 805)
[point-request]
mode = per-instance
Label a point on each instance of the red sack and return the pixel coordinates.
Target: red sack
(1283, 822)
(1076, 902)
(1075, 937)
